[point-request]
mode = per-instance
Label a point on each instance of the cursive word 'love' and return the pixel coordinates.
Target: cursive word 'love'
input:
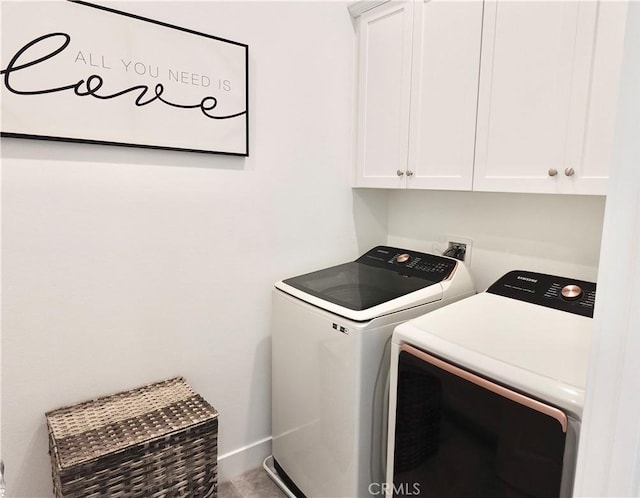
(90, 87)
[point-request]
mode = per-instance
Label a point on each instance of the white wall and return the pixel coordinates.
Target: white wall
(124, 266)
(609, 454)
(556, 234)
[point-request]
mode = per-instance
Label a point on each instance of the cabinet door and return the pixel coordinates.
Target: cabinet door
(593, 175)
(384, 78)
(533, 95)
(444, 94)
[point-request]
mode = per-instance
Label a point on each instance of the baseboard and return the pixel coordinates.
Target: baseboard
(241, 460)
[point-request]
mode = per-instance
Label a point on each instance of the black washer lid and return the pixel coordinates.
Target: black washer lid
(378, 276)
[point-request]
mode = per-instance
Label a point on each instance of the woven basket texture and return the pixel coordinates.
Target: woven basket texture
(159, 440)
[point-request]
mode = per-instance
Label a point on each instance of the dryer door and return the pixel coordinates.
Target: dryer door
(461, 435)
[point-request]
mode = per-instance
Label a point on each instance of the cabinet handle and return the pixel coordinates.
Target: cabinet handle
(409, 172)
(569, 171)
(400, 172)
(552, 172)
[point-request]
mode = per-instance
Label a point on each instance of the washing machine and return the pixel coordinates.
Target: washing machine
(486, 395)
(331, 333)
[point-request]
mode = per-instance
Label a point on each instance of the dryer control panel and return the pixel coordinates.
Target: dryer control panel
(561, 293)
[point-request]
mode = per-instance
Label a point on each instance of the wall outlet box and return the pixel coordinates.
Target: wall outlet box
(462, 244)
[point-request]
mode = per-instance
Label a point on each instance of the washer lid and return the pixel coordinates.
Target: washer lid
(538, 350)
(379, 276)
(426, 295)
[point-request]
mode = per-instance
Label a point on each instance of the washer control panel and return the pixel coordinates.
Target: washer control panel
(410, 263)
(561, 293)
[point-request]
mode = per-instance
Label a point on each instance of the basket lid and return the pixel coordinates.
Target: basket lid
(105, 425)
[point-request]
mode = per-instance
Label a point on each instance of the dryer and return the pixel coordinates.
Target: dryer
(331, 332)
(487, 394)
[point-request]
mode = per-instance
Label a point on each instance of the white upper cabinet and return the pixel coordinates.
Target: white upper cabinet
(418, 84)
(444, 94)
(384, 78)
(593, 174)
(500, 95)
(534, 98)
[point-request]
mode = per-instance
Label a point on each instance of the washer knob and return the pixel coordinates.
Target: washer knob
(571, 292)
(403, 258)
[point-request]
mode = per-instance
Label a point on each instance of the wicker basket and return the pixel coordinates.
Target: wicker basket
(159, 440)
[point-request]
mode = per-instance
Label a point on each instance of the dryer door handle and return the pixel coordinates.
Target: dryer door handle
(550, 411)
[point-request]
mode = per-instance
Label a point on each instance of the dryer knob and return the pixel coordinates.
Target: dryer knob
(403, 258)
(571, 292)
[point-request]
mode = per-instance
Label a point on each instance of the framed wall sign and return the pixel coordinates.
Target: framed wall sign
(79, 72)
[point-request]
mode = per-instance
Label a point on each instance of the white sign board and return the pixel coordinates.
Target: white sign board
(74, 71)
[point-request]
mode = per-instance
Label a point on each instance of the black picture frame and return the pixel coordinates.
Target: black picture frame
(142, 94)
